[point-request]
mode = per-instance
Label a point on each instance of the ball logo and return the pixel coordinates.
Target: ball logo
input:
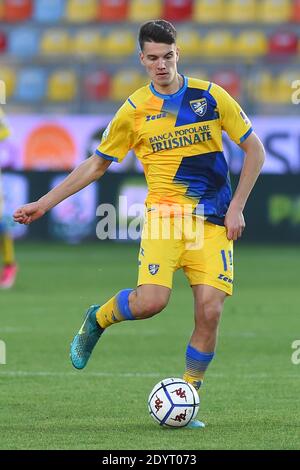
(180, 393)
(180, 417)
(158, 403)
(199, 106)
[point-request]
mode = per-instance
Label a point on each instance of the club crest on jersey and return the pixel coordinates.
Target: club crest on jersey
(153, 268)
(199, 106)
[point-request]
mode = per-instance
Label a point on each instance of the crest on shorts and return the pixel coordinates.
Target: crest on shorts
(153, 268)
(199, 106)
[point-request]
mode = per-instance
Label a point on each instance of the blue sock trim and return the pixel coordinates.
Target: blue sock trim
(123, 304)
(196, 355)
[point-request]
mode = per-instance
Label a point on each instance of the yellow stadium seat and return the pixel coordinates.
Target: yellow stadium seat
(88, 42)
(218, 43)
(190, 71)
(8, 76)
(62, 86)
(284, 88)
(209, 11)
(119, 43)
(124, 83)
(56, 42)
(188, 42)
(241, 11)
(143, 10)
(81, 11)
(274, 11)
(251, 44)
(261, 88)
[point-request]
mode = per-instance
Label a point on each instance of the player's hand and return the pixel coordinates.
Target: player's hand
(234, 223)
(29, 213)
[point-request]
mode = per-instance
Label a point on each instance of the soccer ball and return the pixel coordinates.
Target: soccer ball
(173, 402)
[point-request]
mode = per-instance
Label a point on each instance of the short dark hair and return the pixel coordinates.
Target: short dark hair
(157, 31)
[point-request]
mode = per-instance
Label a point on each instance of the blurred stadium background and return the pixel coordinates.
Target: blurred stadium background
(67, 66)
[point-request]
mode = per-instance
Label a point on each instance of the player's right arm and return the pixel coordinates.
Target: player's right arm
(90, 170)
(116, 140)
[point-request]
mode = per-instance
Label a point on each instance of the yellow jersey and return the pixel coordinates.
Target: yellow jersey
(178, 139)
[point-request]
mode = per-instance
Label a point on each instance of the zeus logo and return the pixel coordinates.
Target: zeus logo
(225, 278)
(156, 116)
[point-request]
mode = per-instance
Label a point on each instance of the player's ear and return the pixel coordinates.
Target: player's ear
(177, 54)
(141, 58)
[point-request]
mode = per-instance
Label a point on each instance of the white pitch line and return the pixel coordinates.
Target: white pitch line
(24, 373)
(12, 329)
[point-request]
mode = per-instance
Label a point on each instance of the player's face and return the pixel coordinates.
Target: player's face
(160, 61)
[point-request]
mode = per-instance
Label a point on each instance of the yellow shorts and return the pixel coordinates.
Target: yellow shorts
(199, 247)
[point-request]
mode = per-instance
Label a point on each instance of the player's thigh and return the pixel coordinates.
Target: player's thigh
(159, 255)
(212, 264)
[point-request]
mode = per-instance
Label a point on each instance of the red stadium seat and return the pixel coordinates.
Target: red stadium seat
(296, 11)
(228, 80)
(283, 43)
(3, 42)
(97, 85)
(178, 10)
(112, 10)
(17, 10)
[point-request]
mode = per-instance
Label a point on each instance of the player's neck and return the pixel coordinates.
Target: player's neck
(172, 88)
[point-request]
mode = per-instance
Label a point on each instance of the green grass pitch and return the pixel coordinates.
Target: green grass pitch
(250, 399)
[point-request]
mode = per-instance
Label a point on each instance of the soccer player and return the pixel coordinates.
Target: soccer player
(9, 270)
(175, 127)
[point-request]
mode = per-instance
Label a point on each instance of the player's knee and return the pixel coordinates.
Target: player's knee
(211, 312)
(152, 306)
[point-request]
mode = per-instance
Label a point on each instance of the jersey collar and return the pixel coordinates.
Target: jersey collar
(174, 95)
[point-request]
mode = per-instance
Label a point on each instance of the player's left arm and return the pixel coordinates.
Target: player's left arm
(253, 162)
